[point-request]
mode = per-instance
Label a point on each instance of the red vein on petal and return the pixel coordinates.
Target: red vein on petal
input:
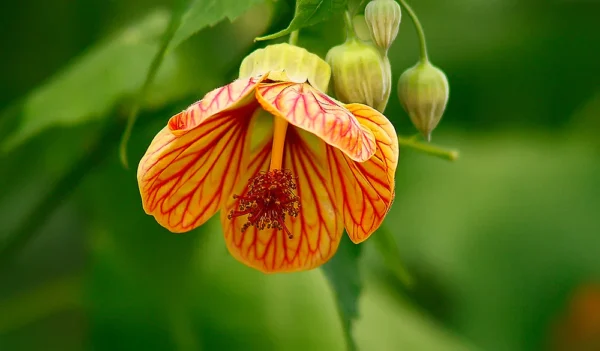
(271, 251)
(196, 156)
(179, 185)
(366, 189)
(363, 194)
(183, 148)
(215, 101)
(187, 199)
(180, 180)
(319, 115)
(180, 149)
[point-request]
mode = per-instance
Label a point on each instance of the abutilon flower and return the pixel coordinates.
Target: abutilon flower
(288, 166)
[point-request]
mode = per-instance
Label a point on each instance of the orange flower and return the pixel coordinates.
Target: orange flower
(288, 166)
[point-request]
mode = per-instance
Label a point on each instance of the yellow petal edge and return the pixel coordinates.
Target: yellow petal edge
(285, 62)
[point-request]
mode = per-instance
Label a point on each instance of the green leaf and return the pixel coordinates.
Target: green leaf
(88, 88)
(386, 245)
(308, 13)
(343, 274)
(203, 13)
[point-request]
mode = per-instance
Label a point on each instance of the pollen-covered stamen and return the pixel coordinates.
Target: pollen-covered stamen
(270, 197)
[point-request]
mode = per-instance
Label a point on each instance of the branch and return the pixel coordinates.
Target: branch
(413, 143)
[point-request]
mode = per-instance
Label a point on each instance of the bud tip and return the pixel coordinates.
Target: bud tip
(453, 155)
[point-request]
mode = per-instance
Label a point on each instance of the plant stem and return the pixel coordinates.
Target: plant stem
(350, 33)
(174, 23)
(451, 155)
(294, 37)
(354, 9)
(419, 28)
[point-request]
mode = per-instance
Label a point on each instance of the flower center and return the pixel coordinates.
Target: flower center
(270, 195)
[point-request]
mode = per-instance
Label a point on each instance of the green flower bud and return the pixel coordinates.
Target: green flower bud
(423, 92)
(360, 74)
(383, 19)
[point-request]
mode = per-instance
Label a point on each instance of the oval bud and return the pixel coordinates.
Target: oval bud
(360, 74)
(423, 92)
(383, 19)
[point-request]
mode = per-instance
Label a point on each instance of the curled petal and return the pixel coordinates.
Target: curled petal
(309, 109)
(194, 162)
(364, 191)
(229, 97)
(316, 230)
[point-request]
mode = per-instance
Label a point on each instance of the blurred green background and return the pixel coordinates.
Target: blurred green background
(503, 245)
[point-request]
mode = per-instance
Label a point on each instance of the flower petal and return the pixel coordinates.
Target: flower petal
(317, 229)
(309, 109)
(229, 97)
(197, 158)
(364, 191)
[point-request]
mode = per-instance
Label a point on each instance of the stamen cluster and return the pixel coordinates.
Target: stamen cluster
(269, 198)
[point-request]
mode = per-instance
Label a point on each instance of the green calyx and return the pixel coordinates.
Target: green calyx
(285, 62)
(360, 74)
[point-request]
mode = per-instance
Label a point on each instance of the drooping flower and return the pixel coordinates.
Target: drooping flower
(288, 166)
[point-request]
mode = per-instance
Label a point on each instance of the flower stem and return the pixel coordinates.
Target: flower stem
(294, 37)
(411, 142)
(419, 28)
(350, 33)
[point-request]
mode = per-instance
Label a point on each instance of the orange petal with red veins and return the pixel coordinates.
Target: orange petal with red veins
(309, 109)
(193, 163)
(364, 191)
(317, 229)
(231, 96)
